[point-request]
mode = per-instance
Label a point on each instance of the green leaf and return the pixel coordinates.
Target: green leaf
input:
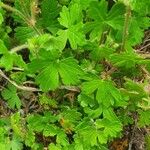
(62, 138)
(22, 34)
(3, 48)
(9, 60)
(70, 71)
(30, 138)
(86, 100)
(100, 53)
(84, 3)
(47, 42)
(135, 88)
(102, 19)
(125, 59)
(71, 19)
(16, 124)
(98, 10)
(50, 130)
(136, 29)
(70, 119)
(100, 131)
(1, 19)
(54, 147)
(41, 123)
(24, 8)
(49, 79)
(115, 17)
(144, 118)
(50, 11)
(70, 16)
(93, 113)
(106, 93)
(91, 86)
(10, 94)
(47, 101)
(16, 144)
(110, 128)
(89, 134)
(141, 7)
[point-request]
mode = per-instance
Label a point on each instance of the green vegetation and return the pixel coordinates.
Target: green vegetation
(71, 78)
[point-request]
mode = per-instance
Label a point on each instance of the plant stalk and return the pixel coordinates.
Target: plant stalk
(28, 21)
(18, 48)
(126, 27)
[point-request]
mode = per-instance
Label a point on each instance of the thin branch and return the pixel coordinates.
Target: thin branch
(145, 71)
(70, 88)
(31, 89)
(17, 69)
(18, 48)
(24, 88)
(146, 56)
(144, 47)
(147, 40)
(132, 135)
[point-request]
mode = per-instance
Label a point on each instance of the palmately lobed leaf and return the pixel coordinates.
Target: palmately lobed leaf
(71, 19)
(52, 72)
(106, 93)
(101, 19)
(71, 47)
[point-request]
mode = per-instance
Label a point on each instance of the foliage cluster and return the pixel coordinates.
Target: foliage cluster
(75, 60)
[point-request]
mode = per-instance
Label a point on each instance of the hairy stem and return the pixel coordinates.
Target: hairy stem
(126, 27)
(18, 48)
(17, 12)
(33, 9)
(24, 88)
